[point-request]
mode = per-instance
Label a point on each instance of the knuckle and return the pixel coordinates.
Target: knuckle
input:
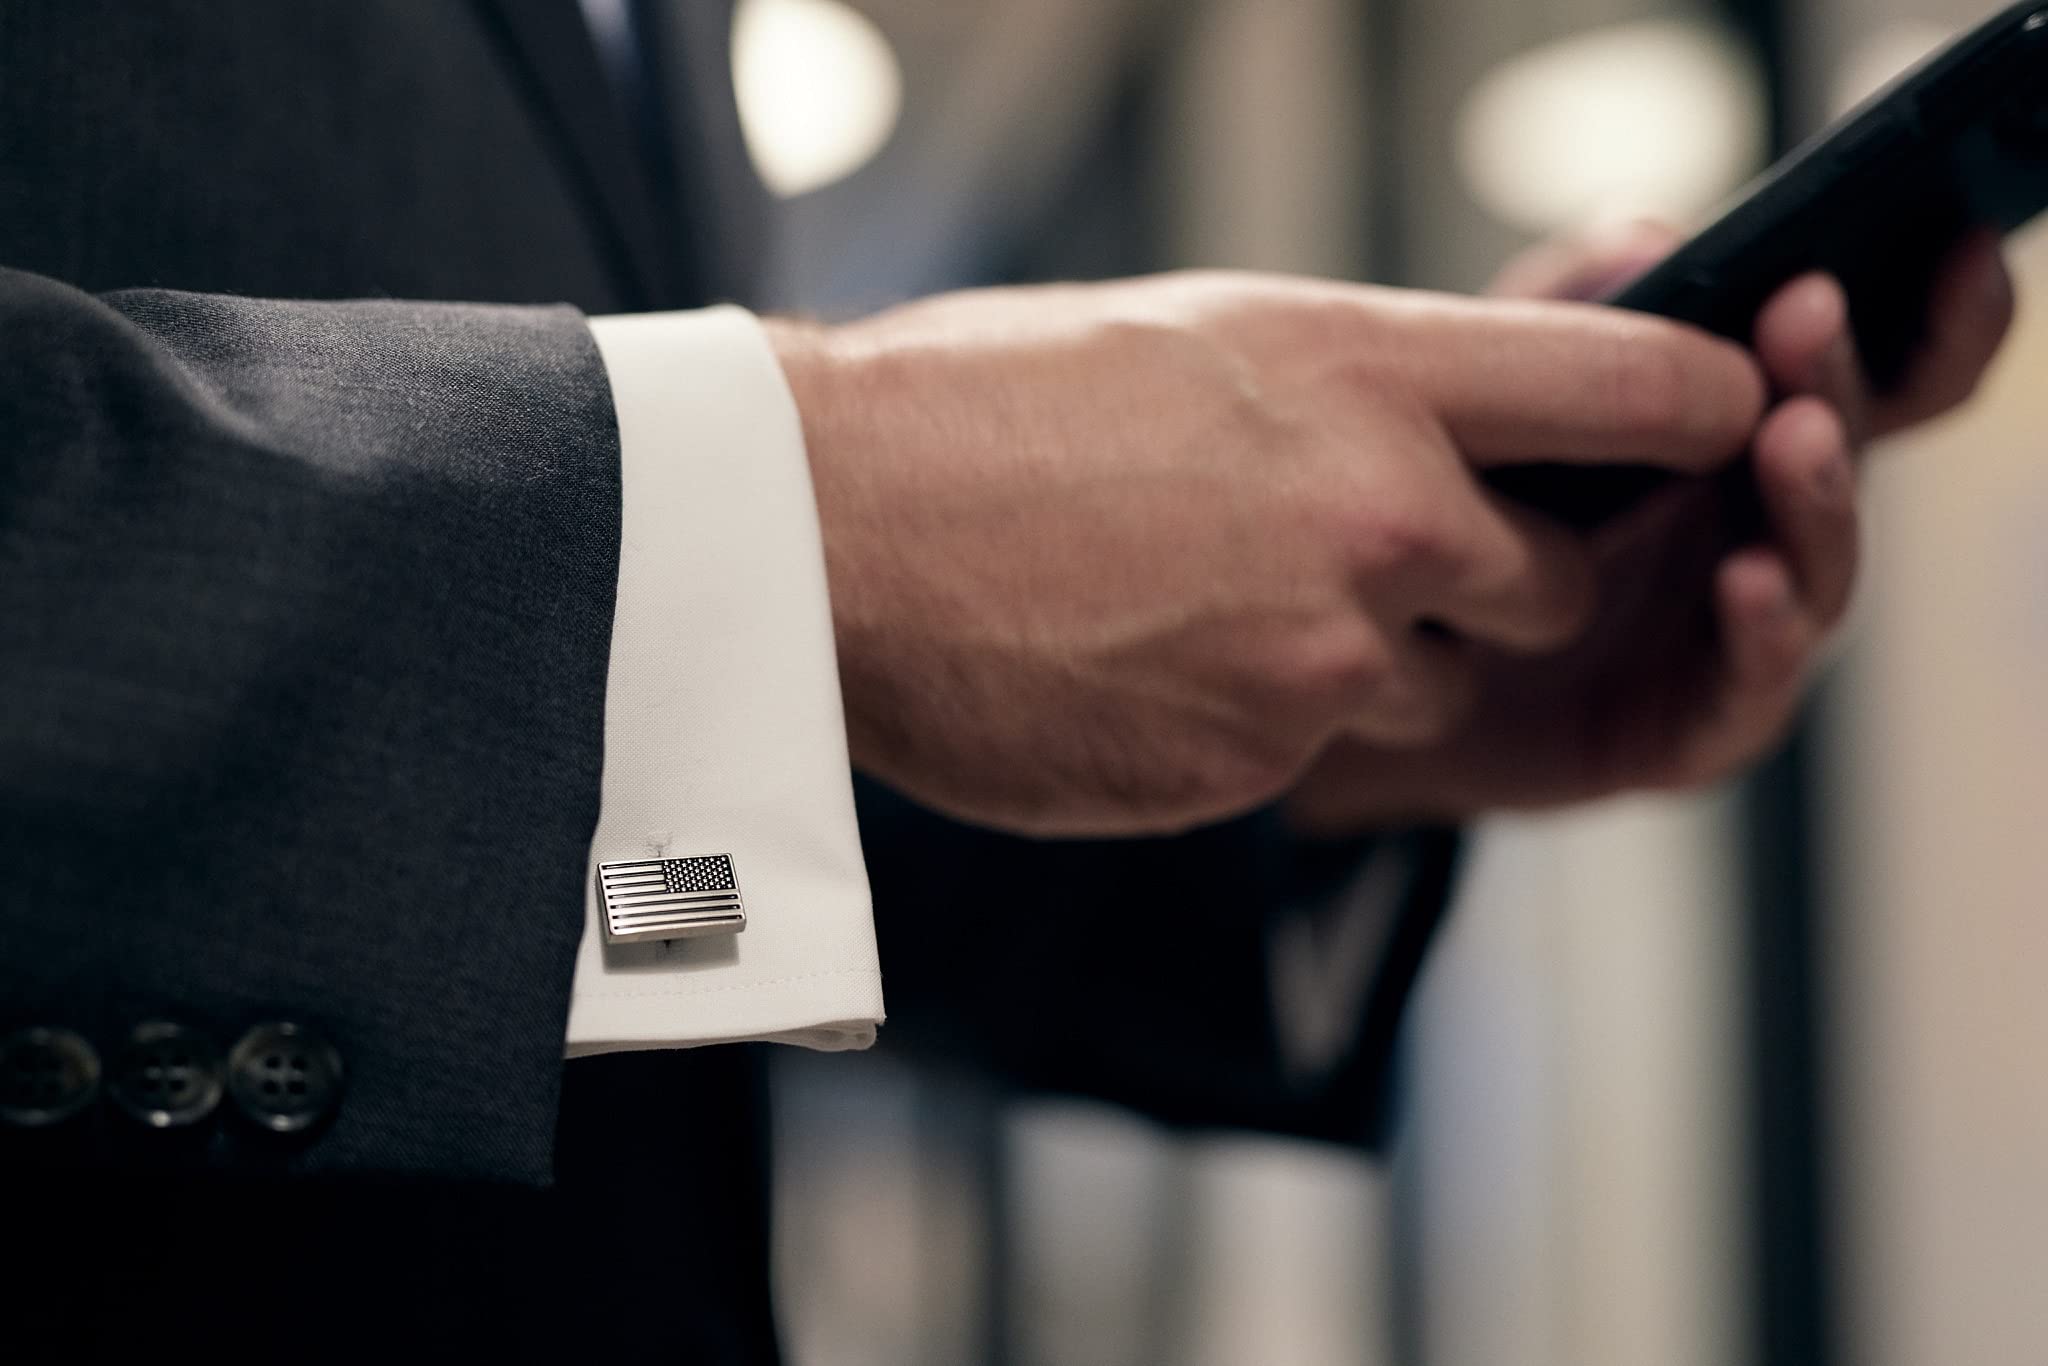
(1391, 536)
(1363, 373)
(1328, 669)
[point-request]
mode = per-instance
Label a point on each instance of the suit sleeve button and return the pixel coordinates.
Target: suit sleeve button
(285, 1077)
(46, 1077)
(166, 1077)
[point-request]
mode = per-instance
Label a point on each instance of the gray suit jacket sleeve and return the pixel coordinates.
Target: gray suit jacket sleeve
(305, 613)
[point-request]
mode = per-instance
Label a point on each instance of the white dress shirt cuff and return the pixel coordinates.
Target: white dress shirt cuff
(723, 728)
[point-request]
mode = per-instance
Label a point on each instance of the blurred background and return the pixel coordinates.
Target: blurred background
(1752, 1078)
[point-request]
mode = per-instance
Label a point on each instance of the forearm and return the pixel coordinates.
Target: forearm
(306, 616)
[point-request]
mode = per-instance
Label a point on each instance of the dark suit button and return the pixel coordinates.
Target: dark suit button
(285, 1077)
(167, 1077)
(46, 1077)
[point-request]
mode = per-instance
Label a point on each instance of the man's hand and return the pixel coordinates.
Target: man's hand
(1698, 653)
(1126, 558)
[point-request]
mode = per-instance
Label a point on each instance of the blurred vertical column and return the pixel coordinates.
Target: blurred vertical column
(1941, 941)
(1570, 1173)
(1266, 137)
(1939, 764)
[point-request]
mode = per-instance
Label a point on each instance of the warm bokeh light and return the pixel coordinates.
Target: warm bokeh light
(1660, 119)
(819, 90)
(1881, 58)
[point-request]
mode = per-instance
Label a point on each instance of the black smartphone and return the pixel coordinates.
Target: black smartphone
(1960, 142)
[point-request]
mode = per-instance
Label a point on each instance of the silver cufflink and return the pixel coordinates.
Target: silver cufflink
(670, 898)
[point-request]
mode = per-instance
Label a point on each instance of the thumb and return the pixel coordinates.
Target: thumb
(1586, 266)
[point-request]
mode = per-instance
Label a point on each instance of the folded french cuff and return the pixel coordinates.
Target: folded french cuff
(723, 728)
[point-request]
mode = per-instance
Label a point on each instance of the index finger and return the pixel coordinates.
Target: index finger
(1517, 383)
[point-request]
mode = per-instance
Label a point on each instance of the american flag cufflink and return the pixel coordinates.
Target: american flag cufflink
(670, 898)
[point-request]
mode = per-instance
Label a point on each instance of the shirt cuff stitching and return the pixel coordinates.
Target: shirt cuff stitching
(715, 990)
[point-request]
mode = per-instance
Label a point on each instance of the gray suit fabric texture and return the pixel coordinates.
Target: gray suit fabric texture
(304, 621)
(305, 605)
(306, 617)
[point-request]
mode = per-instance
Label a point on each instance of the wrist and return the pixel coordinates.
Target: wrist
(830, 407)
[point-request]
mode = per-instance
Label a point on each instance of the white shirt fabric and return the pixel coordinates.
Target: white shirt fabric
(723, 729)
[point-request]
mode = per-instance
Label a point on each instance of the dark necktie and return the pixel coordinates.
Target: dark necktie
(665, 60)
